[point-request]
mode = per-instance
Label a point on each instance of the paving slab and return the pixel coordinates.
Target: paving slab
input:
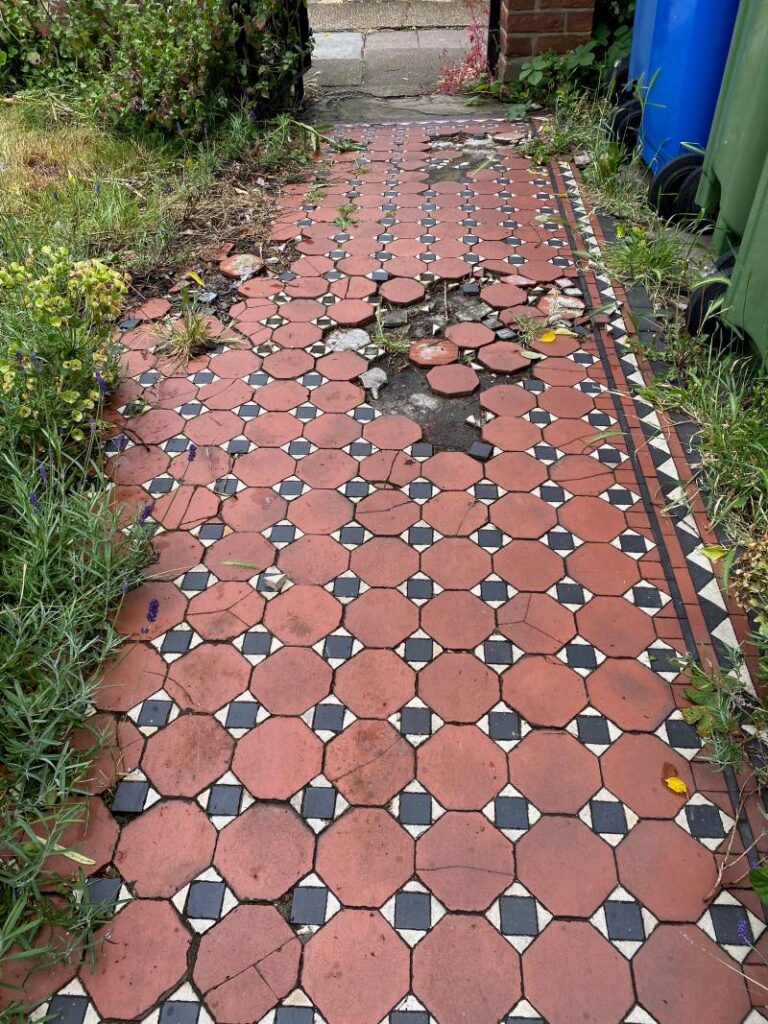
(413, 697)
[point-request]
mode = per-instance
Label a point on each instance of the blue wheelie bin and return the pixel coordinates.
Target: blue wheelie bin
(679, 51)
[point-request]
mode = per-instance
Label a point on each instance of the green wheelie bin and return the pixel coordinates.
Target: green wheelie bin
(745, 304)
(738, 142)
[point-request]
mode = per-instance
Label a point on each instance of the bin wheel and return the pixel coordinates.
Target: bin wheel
(703, 317)
(667, 183)
(625, 123)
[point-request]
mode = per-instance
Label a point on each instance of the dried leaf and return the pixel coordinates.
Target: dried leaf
(194, 276)
(528, 353)
(676, 785)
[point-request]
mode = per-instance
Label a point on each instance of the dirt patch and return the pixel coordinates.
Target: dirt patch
(443, 420)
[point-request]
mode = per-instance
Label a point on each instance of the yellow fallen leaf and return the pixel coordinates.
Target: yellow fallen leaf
(548, 337)
(563, 331)
(714, 552)
(194, 276)
(676, 784)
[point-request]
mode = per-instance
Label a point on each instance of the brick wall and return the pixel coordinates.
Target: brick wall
(532, 26)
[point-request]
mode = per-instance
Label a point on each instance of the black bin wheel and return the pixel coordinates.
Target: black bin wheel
(625, 123)
(704, 306)
(667, 183)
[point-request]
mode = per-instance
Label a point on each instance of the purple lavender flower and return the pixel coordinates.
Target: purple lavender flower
(152, 609)
(191, 453)
(742, 927)
(144, 515)
(34, 500)
(42, 472)
(101, 383)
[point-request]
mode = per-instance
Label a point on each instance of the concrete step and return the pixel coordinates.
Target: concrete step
(370, 15)
(400, 63)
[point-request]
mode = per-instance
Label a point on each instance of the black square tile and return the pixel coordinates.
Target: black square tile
(224, 799)
(494, 590)
(242, 714)
(319, 802)
(421, 536)
(593, 729)
(352, 535)
(416, 721)
(682, 735)
(729, 922)
(197, 579)
(257, 643)
(480, 450)
(581, 656)
(337, 647)
(154, 713)
(503, 725)
(418, 649)
(420, 489)
(282, 533)
(413, 911)
(704, 821)
(498, 652)
(102, 890)
(511, 812)
(211, 531)
(179, 1012)
(419, 590)
(518, 915)
(415, 809)
(129, 797)
(205, 900)
(294, 1015)
(357, 489)
(490, 539)
(608, 817)
(176, 641)
(67, 1009)
(328, 718)
(346, 586)
(309, 905)
(624, 921)
(290, 488)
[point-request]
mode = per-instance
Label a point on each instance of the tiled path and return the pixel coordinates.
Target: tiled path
(424, 782)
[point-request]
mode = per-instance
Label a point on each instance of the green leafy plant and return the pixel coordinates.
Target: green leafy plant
(145, 63)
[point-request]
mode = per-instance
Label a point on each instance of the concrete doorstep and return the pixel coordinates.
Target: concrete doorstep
(396, 63)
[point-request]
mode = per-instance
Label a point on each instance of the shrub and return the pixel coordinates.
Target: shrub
(174, 67)
(58, 357)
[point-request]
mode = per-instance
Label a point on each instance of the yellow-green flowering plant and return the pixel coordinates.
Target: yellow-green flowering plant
(58, 356)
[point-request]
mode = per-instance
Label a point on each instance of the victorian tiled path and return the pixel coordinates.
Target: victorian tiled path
(422, 778)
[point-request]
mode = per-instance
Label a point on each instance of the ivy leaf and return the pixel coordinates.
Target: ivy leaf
(758, 879)
(528, 353)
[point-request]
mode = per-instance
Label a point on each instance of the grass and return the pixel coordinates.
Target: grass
(136, 204)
